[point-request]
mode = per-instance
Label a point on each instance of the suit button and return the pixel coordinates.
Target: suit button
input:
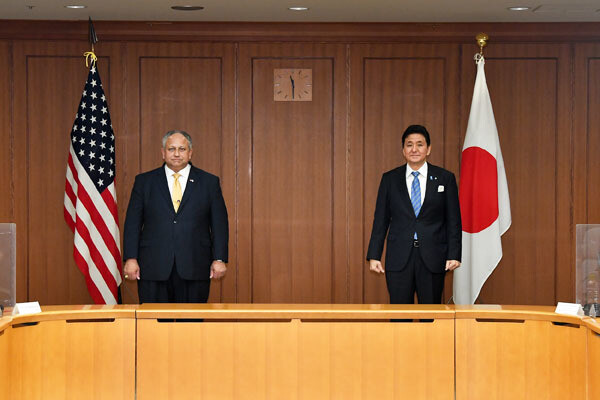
(174, 222)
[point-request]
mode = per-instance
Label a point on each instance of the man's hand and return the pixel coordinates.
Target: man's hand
(376, 266)
(217, 269)
(451, 265)
(131, 269)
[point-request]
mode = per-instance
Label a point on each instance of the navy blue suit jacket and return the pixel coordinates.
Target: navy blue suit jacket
(191, 238)
(438, 225)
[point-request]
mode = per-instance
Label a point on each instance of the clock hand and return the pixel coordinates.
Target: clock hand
(291, 79)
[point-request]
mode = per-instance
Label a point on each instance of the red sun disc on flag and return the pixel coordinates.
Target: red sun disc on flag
(478, 190)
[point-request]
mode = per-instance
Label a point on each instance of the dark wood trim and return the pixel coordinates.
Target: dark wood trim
(300, 31)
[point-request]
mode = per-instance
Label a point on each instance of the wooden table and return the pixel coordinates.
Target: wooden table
(258, 351)
(70, 352)
(283, 351)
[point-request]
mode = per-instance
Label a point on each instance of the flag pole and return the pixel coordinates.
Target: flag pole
(93, 39)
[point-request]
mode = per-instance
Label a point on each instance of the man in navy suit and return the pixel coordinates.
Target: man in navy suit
(176, 230)
(418, 203)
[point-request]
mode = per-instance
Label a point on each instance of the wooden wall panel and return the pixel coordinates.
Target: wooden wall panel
(586, 139)
(530, 90)
(50, 78)
(6, 158)
(300, 182)
(292, 228)
(189, 87)
(395, 86)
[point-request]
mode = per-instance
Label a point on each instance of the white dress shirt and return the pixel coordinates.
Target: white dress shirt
(422, 180)
(182, 179)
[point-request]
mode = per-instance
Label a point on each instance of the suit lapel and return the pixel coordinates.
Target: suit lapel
(190, 187)
(403, 187)
(163, 186)
(431, 186)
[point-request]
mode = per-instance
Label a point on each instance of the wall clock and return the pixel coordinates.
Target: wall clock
(292, 84)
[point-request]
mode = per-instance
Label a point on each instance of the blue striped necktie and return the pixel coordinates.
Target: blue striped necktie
(415, 195)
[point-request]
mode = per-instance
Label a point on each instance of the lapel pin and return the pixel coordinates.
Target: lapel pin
(191, 180)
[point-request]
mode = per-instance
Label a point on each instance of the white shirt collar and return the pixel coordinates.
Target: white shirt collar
(422, 171)
(184, 173)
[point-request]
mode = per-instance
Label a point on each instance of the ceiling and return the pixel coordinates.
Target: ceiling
(319, 10)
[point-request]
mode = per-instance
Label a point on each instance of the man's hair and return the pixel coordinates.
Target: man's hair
(420, 129)
(171, 133)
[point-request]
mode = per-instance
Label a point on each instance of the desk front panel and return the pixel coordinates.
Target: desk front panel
(4, 358)
(295, 360)
(526, 359)
(594, 362)
(73, 360)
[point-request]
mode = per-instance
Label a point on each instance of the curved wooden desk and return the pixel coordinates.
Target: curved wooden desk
(256, 351)
(275, 351)
(69, 352)
(520, 352)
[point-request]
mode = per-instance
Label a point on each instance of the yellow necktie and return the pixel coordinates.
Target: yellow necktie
(176, 195)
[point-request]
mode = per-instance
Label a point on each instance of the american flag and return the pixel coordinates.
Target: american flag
(90, 197)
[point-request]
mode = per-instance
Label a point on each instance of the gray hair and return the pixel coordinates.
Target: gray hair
(171, 133)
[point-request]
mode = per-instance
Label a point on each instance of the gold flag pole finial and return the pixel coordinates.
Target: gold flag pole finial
(481, 39)
(90, 57)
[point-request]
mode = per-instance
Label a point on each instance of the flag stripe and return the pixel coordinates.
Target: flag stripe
(90, 271)
(98, 224)
(90, 201)
(94, 255)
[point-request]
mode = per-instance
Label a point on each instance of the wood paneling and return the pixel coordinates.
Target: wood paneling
(86, 360)
(190, 87)
(586, 140)
(530, 91)
(292, 224)
(300, 179)
(526, 359)
(6, 158)
(295, 360)
(350, 32)
(5, 345)
(395, 86)
(50, 78)
(593, 359)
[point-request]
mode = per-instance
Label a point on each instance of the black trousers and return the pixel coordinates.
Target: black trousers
(415, 277)
(173, 290)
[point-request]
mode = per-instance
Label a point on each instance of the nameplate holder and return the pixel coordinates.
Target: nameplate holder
(32, 307)
(569, 309)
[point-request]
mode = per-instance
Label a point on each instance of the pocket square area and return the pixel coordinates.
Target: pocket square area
(441, 188)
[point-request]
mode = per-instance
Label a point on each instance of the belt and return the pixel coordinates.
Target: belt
(415, 243)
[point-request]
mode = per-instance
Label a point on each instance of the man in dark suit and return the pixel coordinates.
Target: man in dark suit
(176, 230)
(418, 202)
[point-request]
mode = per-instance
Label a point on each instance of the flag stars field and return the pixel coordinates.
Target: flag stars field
(90, 204)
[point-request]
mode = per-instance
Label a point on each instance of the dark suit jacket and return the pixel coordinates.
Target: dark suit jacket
(438, 225)
(192, 238)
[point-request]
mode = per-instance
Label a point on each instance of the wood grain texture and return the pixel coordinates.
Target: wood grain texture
(587, 124)
(593, 360)
(295, 311)
(544, 96)
(6, 155)
(57, 359)
(50, 78)
(5, 346)
(292, 225)
(527, 359)
(295, 360)
(530, 90)
(301, 32)
(395, 86)
(190, 87)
